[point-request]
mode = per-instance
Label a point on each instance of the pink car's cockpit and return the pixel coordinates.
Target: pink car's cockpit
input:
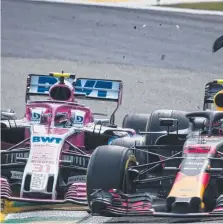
(58, 119)
(58, 115)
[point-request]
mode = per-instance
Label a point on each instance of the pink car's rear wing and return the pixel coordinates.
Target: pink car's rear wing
(87, 88)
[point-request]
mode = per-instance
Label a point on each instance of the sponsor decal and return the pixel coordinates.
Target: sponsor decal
(78, 118)
(38, 181)
(43, 139)
(36, 115)
(192, 157)
(98, 88)
(48, 81)
(40, 168)
(42, 161)
(44, 146)
(43, 158)
(77, 179)
(193, 163)
(16, 175)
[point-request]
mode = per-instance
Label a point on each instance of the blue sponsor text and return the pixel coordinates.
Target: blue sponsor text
(46, 139)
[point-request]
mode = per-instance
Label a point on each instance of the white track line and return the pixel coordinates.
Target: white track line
(139, 5)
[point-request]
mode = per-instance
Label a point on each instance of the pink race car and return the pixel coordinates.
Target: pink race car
(45, 155)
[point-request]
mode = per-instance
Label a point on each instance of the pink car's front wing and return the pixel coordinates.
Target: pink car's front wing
(76, 194)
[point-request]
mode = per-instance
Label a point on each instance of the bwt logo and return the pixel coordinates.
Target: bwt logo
(45, 80)
(46, 139)
(93, 86)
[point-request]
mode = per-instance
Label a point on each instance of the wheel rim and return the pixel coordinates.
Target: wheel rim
(127, 185)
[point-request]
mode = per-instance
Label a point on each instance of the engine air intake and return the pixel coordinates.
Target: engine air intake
(59, 92)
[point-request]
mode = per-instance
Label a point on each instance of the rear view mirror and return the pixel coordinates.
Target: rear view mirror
(167, 122)
(7, 114)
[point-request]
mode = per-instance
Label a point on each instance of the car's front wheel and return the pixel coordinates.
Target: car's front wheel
(107, 169)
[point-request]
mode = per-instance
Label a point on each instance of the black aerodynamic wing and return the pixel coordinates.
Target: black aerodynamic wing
(218, 44)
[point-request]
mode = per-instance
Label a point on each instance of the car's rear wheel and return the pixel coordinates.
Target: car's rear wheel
(107, 169)
(127, 142)
(153, 124)
(136, 122)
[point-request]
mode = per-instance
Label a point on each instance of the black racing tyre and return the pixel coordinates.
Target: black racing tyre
(128, 142)
(153, 124)
(135, 121)
(106, 169)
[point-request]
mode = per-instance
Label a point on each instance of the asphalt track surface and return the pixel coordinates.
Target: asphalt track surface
(164, 59)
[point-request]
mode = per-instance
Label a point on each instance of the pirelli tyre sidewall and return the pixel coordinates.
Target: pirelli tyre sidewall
(136, 122)
(107, 169)
(128, 142)
(153, 124)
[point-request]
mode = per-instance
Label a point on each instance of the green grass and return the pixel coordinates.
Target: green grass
(202, 5)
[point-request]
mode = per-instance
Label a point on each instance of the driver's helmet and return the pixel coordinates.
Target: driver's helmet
(62, 120)
(218, 101)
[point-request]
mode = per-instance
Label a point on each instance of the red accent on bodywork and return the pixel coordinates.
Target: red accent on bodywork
(198, 148)
(204, 178)
(127, 205)
(131, 207)
(114, 194)
(161, 159)
(179, 176)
